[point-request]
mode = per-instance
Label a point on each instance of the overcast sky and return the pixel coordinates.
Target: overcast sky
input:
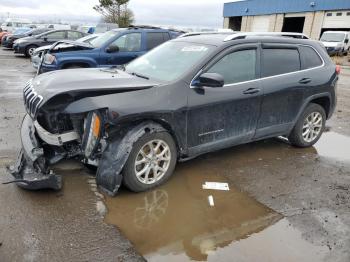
(203, 13)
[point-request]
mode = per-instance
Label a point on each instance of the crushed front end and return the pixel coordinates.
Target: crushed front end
(47, 137)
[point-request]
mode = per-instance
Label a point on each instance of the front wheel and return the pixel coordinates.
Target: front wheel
(309, 127)
(30, 50)
(151, 162)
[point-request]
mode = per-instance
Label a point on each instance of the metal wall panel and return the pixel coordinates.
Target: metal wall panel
(262, 7)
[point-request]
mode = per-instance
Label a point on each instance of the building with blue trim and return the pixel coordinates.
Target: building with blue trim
(310, 17)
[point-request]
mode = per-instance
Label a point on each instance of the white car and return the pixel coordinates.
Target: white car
(336, 42)
(11, 24)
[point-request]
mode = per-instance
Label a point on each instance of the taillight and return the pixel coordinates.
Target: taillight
(337, 69)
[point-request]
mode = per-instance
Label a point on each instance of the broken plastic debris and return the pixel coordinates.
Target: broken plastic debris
(216, 186)
(211, 200)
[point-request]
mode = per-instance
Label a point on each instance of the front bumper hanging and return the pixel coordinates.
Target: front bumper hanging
(30, 171)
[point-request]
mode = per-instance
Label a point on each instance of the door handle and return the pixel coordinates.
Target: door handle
(251, 91)
(305, 81)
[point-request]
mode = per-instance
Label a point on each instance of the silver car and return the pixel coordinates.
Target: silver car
(36, 57)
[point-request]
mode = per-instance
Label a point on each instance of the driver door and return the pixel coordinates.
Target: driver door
(130, 47)
(224, 116)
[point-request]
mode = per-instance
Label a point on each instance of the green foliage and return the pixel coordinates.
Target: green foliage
(115, 11)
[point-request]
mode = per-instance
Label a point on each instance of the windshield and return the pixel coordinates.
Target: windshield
(99, 41)
(333, 37)
(169, 61)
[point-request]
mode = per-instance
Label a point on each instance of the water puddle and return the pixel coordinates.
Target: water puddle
(176, 220)
(335, 146)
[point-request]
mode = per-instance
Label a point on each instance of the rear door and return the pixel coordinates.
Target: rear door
(224, 116)
(130, 47)
(54, 37)
(74, 35)
(285, 81)
(154, 39)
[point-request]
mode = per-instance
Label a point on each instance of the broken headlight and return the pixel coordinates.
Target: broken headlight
(49, 59)
(92, 133)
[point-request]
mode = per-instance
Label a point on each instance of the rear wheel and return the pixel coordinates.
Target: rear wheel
(30, 50)
(309, 127)
(151, 162)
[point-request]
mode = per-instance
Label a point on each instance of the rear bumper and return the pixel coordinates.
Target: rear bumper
(30, 170)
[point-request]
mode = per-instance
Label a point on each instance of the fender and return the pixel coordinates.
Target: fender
(307, 101)
(63, 61)
(109, 177)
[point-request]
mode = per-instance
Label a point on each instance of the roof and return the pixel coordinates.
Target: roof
(264, 7)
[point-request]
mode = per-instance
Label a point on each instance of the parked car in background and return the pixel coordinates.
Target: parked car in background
(27, 45)
(59, 27)
(105, 27)
(116, 47)
(336, 42)
(187, 97)
(89, 29)
(36, 57)
(2, 34)
(20, 33)
(11, 24)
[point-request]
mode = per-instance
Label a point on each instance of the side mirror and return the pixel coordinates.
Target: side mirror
(112, 49)
(45, 39)
(346, 41)
(209, 80)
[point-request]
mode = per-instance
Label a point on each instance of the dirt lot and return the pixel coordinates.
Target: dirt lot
(284, 204)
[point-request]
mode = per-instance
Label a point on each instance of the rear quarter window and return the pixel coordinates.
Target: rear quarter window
(277, 61)
(155, 39)
(309, 57)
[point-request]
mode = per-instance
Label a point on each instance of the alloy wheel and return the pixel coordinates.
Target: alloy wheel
(312, 126)
(152, 161)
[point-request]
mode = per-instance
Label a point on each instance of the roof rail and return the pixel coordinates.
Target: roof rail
(277, 34)
(207, 33)
(143, 27)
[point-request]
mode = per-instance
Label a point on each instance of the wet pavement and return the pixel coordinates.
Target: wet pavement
(284, 203)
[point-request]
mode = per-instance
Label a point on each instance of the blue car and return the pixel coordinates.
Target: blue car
(115, 47)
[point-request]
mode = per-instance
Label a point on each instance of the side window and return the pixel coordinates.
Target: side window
(279, 61)
(236, 67)
(56, 35)
(166, 37)
(154, 39)
(128, 43)
(9, 24)
(72, 35)
(309, 57)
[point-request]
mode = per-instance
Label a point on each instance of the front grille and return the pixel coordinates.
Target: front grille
(31, 99)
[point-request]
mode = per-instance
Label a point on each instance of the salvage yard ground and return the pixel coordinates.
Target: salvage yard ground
(284, 203)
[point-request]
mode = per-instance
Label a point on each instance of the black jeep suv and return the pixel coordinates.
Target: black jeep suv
(189, 96)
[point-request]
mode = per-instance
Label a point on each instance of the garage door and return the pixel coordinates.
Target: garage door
(337, 19)
(260, 23)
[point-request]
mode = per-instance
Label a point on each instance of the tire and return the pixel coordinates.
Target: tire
(30, 50)
(139, 183)
(307, 123)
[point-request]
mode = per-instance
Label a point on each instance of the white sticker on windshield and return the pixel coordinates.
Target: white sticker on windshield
(194, 48)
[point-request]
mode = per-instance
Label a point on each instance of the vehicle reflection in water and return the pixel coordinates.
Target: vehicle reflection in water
(175, 222)
(176, 219)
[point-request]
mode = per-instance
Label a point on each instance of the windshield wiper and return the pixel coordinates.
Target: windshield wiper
(139, 75)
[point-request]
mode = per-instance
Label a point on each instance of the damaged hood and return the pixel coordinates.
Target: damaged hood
(95, 81)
